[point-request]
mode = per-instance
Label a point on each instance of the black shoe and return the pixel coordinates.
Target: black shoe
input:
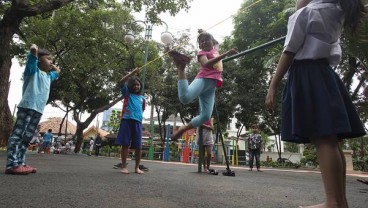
(142, 167)
(213, 171)
(119, 165)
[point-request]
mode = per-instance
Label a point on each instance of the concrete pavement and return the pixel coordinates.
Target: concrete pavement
(83, 181)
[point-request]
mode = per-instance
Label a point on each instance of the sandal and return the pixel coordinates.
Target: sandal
(363, 181)
(180, 59)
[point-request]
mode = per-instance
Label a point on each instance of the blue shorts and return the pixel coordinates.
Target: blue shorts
(130, 134)
(46, 144)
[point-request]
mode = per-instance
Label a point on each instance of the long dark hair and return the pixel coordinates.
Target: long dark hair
(354, 10)
(132, 81)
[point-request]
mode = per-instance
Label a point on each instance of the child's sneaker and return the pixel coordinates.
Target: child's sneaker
(17, 170)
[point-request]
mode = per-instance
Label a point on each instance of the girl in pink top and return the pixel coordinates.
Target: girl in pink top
(206, 81)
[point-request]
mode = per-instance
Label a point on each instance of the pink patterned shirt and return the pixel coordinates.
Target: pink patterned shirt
(213, 72)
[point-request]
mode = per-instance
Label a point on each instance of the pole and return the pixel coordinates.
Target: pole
(66, 124)
(152, 124)
(200, 150)
(148, 35)
(15, 107)
(167, 146)
(263, 46)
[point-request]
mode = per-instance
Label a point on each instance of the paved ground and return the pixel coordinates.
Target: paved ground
(83, 181)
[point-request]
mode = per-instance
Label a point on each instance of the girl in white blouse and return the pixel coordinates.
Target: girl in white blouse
(316, 107)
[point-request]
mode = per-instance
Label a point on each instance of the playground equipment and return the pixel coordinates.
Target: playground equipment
(186, 151)
(167, 146)
(151, 147)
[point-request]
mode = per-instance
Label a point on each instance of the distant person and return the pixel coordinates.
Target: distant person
(37, 77)
(40, 145)
(130, 131)
(254, 148)
(207, 143)
(98, 144)
(35, 139)
(67, 147)
(316, 107)
(47, 141)
(205, 83)
(91, 144)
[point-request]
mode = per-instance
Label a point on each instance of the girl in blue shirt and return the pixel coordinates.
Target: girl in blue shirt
(38, 75)
(130, 131)
(316, 107)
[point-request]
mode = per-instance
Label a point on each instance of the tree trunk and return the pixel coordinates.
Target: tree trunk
(83, 125)
(6, 119)
(8, 26)
(79, 135)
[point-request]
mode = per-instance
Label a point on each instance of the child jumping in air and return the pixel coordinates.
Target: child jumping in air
(316, 107)
(205, 83)
(130, 131)
(38, 75)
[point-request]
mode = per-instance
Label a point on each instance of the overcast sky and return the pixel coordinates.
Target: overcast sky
(213, 16)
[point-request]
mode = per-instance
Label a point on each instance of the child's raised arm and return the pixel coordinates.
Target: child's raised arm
(209, 63)
(126, 77)
(34, 49)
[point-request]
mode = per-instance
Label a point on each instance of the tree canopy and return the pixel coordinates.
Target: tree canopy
(86, 38)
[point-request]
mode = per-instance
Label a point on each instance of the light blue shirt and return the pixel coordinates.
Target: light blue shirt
(314, 31)
(47, 137)
(36, 85)
(134, 105)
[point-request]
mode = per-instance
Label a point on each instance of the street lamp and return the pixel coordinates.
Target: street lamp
(166, 38)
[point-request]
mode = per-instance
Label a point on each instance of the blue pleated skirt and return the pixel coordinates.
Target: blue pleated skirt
(315, 104)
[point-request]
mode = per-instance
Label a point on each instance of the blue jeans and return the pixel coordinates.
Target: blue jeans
(205, 90)
(23, 131)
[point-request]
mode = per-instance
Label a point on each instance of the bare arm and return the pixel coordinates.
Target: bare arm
(285, 61)
(209, 63)
(126, 77)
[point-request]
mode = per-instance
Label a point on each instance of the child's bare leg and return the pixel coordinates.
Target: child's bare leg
(181, 131)
(124, 155)
(343, 174)
(181, 74)
(331, 166)
(138, 154)
(204, 161)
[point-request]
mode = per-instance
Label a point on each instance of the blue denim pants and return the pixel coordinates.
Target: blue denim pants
(255, 153)
(202, 88)
(23, 131)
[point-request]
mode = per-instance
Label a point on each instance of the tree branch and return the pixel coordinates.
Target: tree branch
(23, 10)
